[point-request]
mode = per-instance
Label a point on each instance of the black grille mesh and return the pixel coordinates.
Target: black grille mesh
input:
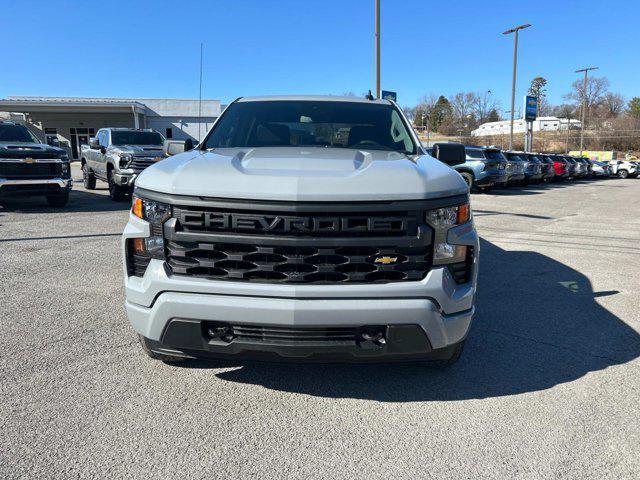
(28, 170)
(293, 264)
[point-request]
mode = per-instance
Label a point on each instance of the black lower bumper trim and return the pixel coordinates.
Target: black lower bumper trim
(33, 190)
(188, 338)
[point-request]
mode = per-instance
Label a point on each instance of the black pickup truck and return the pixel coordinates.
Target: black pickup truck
(30, 168)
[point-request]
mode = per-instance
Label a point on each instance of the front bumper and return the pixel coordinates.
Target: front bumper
(34, 186)
(439, 307)
(125, 179)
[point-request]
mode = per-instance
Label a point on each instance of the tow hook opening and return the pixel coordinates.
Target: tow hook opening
(222, 333)
(374, 336)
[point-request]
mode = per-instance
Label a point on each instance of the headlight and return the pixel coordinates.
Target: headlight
(447, 216)
(125, 159)
(442, 219)
(65, 167)
(156, 213)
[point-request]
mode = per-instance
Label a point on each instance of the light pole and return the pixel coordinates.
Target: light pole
(377, 30)
(513, 84)
(584, 103)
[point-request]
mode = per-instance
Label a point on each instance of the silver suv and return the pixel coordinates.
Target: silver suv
(303, 228)
(117, 156)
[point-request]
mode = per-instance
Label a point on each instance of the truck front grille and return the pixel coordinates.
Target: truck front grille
(138, 164)
(21, 170)
(292, 264)
(278, 242)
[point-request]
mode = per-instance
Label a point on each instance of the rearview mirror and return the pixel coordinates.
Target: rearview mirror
(449, 153)
(174, 147)
(93, 142)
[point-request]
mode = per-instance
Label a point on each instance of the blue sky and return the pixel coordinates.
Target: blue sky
(151, 48)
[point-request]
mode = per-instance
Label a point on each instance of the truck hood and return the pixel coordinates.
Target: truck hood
(302, 174)
(138, 149)
(8, 147)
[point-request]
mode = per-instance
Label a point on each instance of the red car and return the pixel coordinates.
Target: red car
(560, 166)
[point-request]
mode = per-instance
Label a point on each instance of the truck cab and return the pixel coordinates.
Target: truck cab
(31, 168)
(117, 156)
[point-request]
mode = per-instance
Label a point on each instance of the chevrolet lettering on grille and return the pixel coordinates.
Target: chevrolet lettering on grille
(289, 224)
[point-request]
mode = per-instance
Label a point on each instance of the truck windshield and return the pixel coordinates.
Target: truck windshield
(133, 137)
(16, 133)
(288, 123)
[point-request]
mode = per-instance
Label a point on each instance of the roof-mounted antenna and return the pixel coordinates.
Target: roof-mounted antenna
(368, 96)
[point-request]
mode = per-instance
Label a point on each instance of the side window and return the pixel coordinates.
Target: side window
(474, 154)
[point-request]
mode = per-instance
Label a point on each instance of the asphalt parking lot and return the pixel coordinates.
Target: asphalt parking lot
(548, 386)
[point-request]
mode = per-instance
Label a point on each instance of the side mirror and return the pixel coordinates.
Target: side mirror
(93, 143)
(103, 150)
(449, 153)
(174, 147)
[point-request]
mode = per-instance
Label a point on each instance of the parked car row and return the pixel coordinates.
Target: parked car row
(490, 167)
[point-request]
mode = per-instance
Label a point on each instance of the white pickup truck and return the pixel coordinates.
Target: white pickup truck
(117, 156)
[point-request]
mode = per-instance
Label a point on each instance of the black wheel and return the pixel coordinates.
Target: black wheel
(88, 178)
(58, 201)
(116, 192)
(623, 174)
(467, 178)
(144, 343)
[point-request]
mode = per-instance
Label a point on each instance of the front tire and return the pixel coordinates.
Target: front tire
(58, 201)
(468, 178)
(88, 178)
(144, 343)
(623, 174)
(116, 192)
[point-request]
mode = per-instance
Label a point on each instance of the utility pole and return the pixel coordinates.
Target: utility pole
(200, 99)
(513, 83)
(377, 28)
(584, 103)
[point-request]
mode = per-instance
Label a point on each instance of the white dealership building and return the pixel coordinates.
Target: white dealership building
(71, 121)
(550, 124)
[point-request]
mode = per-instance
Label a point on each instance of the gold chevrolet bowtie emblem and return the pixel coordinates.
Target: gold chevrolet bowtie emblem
(29, 160)
(386, 260)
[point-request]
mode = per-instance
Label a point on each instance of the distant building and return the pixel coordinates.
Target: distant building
(71, 121)
(547, 124)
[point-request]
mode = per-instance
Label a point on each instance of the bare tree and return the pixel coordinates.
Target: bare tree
(613, 104)
(565, 110)
(484, 103)
(597, 87)
(462, 104)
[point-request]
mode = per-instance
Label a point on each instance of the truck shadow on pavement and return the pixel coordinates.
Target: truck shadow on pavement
(79, 201)
(537, 326)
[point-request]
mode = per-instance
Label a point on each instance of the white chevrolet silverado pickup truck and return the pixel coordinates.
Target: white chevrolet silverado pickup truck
(117, 156)
(303, 228)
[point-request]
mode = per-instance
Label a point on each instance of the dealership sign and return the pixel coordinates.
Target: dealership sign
(530, 108)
